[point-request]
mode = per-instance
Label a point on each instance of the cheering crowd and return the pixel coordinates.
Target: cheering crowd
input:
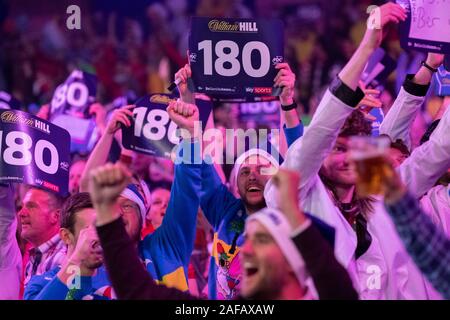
(143, 227)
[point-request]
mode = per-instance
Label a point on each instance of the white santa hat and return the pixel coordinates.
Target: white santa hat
(276, 223)
(254, 152)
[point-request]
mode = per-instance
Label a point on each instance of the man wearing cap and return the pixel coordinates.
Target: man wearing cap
(252, 170)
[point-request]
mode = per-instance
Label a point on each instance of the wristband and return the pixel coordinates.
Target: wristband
(423, 63)
(289, 107)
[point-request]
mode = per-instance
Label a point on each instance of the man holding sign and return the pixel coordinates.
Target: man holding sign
(166, 259)
(226, 213)
(369, 245)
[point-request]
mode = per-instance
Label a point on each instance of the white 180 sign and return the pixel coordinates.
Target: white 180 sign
(156, 119)
(231, 58)
(76, 94)
(19, 154)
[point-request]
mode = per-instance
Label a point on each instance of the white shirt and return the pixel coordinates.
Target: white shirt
(385, 271)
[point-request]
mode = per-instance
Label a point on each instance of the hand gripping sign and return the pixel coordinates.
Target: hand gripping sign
(152, 132)
(235, 57)
(33, 151)
(427, 27)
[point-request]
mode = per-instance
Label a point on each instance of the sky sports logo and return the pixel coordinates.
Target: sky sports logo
(47, 184)
(259, 90)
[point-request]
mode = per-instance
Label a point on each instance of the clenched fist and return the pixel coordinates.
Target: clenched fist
(186, 116)
(105, 185)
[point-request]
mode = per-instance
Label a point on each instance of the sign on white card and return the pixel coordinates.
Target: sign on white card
(427, 27)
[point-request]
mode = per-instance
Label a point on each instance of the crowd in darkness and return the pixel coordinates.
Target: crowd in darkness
(140, 45)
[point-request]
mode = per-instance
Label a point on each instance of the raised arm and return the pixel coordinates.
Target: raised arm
(178, 228)
(215, 198)
(100, 153)
(290, 124)
(330, 278)
(126, 272)
(398, 121)
(428, 161)
(307, 154)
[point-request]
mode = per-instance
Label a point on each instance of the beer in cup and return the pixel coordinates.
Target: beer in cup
(368, 155)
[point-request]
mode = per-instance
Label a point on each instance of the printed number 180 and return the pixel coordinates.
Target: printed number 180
(18, 154)
(155, 128)
(231, 58)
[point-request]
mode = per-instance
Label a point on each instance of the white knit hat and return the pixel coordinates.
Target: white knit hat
(280, 229)
(253, 152)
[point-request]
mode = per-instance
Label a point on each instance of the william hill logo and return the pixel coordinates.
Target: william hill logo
(13, 117)
(158, 98)
(225, 26)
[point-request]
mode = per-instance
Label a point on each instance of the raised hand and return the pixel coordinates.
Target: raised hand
(285, 78)
(435, 60)
(369, 101)
(287, 183)
(87, 244)
(120, 116)
(185, 115)
(379, 19)
(183, 75)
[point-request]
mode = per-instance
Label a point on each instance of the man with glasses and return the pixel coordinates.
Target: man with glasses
(166, 251)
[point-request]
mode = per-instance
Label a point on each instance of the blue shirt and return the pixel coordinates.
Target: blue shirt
(49, 287)
(227, 216)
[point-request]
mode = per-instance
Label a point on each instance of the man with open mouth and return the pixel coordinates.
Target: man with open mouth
(84, 255)
(225, 212)
(284, 250)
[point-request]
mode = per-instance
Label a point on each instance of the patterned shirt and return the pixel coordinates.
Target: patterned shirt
(425, 242)
(45, 257)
